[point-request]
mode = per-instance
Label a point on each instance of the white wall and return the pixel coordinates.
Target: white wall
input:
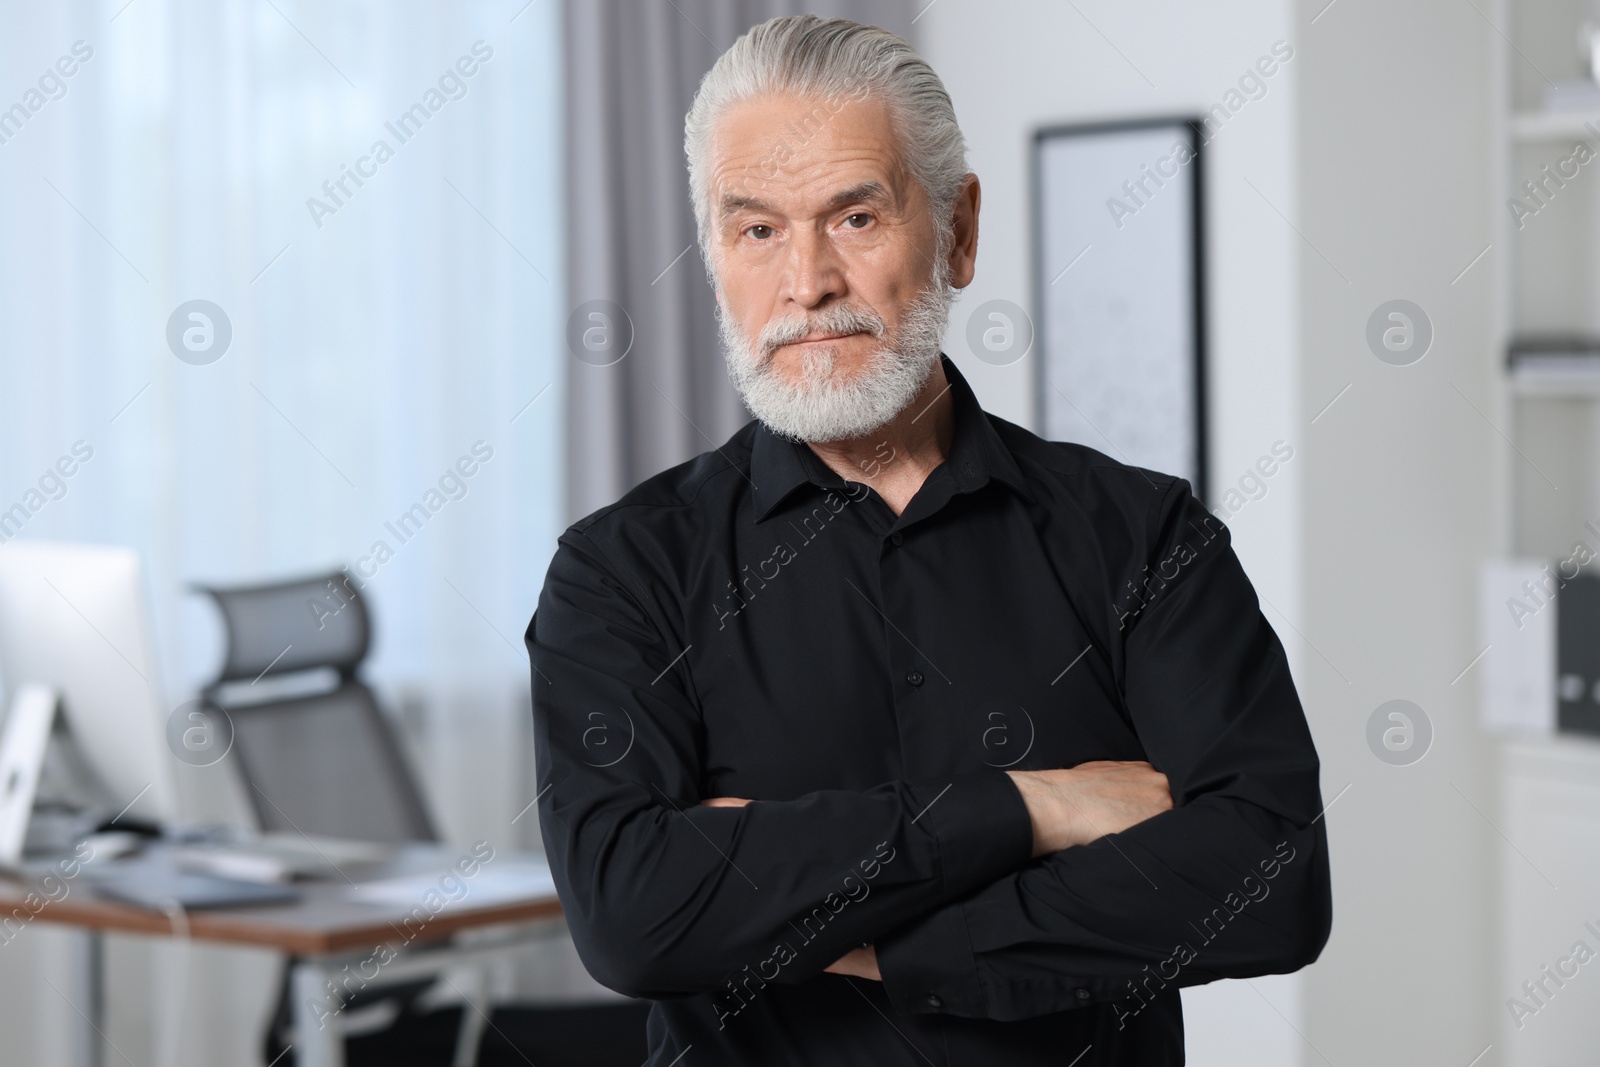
(1015, 67)
(1395, 172)
(1362, 176)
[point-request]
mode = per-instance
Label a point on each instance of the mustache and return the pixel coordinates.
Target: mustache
(837, 319)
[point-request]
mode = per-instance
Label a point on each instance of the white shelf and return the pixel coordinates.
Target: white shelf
(1573, 757)
(1535, 126)
(1555, 387)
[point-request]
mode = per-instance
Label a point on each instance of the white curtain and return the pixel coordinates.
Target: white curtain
(381, 331)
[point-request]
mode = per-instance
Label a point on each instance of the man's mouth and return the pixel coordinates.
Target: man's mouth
(819, 338)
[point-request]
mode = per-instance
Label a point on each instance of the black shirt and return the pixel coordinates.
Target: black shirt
(750, 624)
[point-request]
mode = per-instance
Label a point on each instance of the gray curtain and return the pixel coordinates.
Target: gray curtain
(632, 67)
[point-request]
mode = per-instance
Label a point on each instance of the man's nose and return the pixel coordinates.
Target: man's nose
(815, 273)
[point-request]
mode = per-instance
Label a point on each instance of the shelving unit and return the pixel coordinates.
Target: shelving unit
(1546, 281)
(1545, 487)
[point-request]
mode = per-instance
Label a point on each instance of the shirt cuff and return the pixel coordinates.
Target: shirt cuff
(929, 966)
(982, 825)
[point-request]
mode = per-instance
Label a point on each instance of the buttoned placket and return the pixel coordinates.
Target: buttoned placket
(909, 670)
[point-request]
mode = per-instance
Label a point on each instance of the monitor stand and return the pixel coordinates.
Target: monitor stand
(22, 751)
(43, 772)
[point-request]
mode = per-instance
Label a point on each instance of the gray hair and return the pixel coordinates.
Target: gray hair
(837, 60)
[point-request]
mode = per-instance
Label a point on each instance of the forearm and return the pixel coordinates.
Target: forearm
(1215, 889)
(665, 896)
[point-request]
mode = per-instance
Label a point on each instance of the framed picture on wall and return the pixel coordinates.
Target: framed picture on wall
(1119, 291)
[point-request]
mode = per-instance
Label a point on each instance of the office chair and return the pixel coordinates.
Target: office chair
(323, 762)
(316, 755)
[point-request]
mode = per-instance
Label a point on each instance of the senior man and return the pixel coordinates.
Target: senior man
(887, 732)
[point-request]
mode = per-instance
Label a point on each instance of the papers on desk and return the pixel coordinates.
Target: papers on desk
(162, 888)
(497, 882)
(277, 858)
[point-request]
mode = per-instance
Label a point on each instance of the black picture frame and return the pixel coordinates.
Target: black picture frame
(1192, 181)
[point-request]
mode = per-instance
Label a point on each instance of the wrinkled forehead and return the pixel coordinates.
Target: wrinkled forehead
(797, 153)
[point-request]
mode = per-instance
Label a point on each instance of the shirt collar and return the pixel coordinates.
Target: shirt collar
(779, 465)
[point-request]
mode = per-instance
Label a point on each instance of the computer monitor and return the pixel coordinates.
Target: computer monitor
(74, 617)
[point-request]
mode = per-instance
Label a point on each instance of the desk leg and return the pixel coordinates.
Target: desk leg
(319, 1040)
(474, 1017)
(86, 993)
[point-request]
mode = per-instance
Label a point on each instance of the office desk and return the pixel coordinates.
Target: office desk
(324, 930)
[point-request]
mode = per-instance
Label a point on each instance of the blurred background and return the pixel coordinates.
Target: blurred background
(239, 338)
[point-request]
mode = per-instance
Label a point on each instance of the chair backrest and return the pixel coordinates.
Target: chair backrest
(329, 766)
(324, 763)
(320, 621)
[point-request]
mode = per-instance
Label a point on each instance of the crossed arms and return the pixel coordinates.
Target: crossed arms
(1066, 807)
(994, 895)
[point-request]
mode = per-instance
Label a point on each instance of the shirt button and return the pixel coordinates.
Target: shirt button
(1083, 994)
(898, 538)
(934, 1001)
(914, 677)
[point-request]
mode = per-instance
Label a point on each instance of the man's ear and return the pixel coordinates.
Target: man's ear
(964, 233)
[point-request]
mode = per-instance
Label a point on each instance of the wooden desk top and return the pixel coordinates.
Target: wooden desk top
(324, 919)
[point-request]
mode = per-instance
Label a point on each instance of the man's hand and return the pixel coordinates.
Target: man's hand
(861, 962)
(1077, 805)
(724, 802)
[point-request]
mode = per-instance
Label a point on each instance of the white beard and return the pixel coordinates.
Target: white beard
(822, 407)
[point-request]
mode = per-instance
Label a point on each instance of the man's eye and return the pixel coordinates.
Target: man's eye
(760, 231)
(853, 224)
